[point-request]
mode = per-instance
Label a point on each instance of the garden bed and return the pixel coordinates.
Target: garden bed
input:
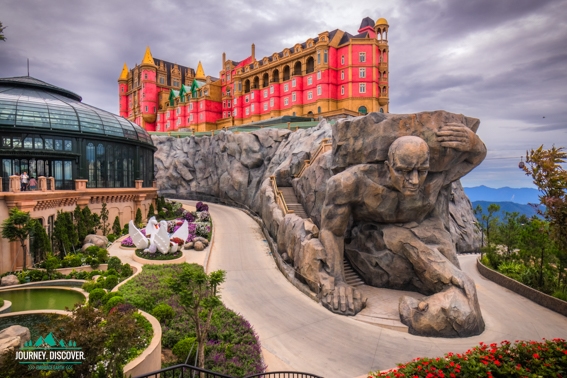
(158, 256)
(176, 260)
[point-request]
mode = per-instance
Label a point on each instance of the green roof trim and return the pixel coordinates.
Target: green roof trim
(173, 94)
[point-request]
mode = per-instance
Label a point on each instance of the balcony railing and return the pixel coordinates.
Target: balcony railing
(188, 371)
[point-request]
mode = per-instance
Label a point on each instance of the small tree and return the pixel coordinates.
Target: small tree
(2, 37)
(92, 220)
(80, 224)
(116, 228)
(17, 227)
(64, 232)
(151, 211)
(507, 232)
(198, 296)
(104, 225)
(41, 245)
(545, 167)
(138, 219)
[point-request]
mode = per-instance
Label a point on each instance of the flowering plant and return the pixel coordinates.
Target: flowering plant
(520, 359)
(204, 216)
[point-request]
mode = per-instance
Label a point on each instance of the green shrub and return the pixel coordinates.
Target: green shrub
(183, 347)
(112, 302)
(110, 272)
(1, 302)
(560, 294)
(110, 282)
(116, 228)
(111, 238)
(110, 295)
(92, 250)
(125, 229)
(126, 270)
(102, 255)
(164, 313)
(512, 269)
(91, 285)
(114, 263)
(95, 297)
(72, 260)
(138, 220)
(95, 263)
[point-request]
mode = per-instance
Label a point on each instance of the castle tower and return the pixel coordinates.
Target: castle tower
(381, 28)
(200, 74)
(123, 92)
(148, 95)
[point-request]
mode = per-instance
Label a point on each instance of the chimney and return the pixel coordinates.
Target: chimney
(223, 60)
(253, 52)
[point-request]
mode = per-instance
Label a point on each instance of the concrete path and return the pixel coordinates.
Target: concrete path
(299, 334)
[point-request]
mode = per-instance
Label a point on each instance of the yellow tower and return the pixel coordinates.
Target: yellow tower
(200, 75)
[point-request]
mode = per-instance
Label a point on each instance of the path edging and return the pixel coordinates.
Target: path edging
(547, 301)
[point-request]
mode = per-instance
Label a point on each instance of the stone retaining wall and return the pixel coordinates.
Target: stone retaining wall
(547, 301)
(150, 359)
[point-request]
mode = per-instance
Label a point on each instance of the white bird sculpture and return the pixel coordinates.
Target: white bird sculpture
(182, 232)
(161, 238)
(152, 226)
(140, 241)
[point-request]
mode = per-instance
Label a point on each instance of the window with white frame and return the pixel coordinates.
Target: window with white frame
(309, 80)
(286, 87)
(310, 95)
(146, 108)
(362, 88)
(293, 83)
(190, 117)
(318, 75)
(325, 54)
(362, 57)
(223, 114)
(342, 89)
(167, 125)
(252, 107)
(247, 111)
(252, 95)
(271, 103)
(228, 103)
(286, 101)
(342, 59)
(228, 114)
(319, 90)
(342, 75)
(362, 72)
(271, 89)
(145, 76)
(191, 106)
(235, 101)
(265, 93)
(179, 121)
(200, 105)
(265, 106)
(178, 110)
(235, 112)
(293, 98)
(246, 99)
(224, 104)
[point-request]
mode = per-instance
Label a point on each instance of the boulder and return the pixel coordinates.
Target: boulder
(10, 280)
(188, 245)
(202, 240)
(13, 337)
(199, 246)
(85, 246)
(98, 240)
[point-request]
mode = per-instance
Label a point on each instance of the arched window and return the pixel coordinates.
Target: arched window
(362, 110)
(265, 80)
(247, 86)
(91, 165)
(297, 68)
(256, 83)
(100, 166)
(319, 110)
(381, 110)
(310, 63)
(286, 74)
(276, 76)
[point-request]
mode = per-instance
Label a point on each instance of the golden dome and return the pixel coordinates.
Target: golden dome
(381, 21)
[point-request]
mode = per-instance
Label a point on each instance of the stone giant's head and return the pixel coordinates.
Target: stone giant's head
(408, 163)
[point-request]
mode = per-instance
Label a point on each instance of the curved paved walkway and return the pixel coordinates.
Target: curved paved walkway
(303, 336)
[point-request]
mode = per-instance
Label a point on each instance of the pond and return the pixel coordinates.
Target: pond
(41, 299)
(38, 324)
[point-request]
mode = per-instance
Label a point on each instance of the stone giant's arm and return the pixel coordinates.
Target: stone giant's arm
(459, 137)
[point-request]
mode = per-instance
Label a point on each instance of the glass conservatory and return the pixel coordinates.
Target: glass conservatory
(47, 131)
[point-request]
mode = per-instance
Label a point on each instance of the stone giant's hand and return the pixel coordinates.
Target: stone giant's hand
(343, 299)
(457, 136)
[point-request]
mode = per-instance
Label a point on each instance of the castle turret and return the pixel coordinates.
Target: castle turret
(148, 93)
(123, 92)
(381, 28)
(200, 74)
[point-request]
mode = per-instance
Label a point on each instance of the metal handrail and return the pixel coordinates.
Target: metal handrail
(280, 200)
(306, 163)
(188, 371)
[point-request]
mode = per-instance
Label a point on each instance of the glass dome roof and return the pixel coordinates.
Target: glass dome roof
(29, 102)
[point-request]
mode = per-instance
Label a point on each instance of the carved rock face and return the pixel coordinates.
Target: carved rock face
(408, 164)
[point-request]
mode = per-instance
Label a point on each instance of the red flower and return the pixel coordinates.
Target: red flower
(497, 363)
(536, 356)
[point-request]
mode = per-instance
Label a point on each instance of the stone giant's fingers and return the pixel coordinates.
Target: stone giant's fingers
(342, 293)
(350, 299)
(336, 299)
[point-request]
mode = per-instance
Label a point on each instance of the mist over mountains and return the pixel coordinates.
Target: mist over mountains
(505, 194)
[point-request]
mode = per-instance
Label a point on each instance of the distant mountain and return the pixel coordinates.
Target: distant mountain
(509, 207)
(506, 194)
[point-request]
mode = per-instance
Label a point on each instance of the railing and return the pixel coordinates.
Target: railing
(279, 197)
(325, 146)
(188, 371)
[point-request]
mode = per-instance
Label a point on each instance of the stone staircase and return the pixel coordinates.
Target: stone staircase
(351, 277)
(292, 202)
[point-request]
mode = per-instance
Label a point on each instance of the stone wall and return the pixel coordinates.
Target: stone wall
(538, 297)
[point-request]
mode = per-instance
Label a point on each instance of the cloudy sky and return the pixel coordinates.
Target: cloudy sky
(503, 61)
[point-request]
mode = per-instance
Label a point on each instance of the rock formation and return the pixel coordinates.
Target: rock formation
(235, 168)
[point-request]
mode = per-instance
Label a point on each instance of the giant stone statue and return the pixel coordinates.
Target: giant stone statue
(387, 208)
